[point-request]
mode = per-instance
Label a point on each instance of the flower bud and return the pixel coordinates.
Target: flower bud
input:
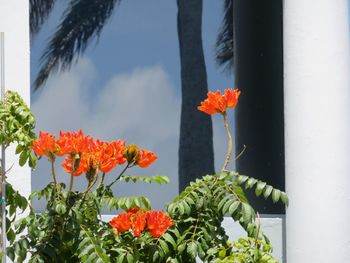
(76, 161)
(132, 153)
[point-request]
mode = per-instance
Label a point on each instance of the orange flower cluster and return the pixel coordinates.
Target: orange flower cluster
(85, 154)
(45, 145)
(155, 222)
(217, 103)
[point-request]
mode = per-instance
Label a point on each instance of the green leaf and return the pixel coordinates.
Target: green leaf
(169, 239)
(181, 208)
(181, 247)
(192, 249)
(120, 258)
(241, 179)
(233, 207)
(130, 258)
(23, 157)
(268, 191)
(187, 208)
(60, 209)
(276, 194)
(239, 192)
(247, 213)
(91, 247)
(227, 205)
(223, 202)
(32, 161)
(19, 148)
(284, 198)
(164, 246)
(222, 253)
(259, 188)
(250, 183)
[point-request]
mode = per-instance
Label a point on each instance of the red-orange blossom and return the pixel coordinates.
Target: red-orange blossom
(218, 103)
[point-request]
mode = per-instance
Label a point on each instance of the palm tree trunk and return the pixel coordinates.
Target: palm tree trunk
(196, 155)
(259, 74)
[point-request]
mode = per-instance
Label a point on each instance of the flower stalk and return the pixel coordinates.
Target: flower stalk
(52, 161)
(71, 182)
(230, 144)
(112, 183)
(102, 180)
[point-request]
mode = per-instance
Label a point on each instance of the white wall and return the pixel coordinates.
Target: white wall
(14, 21)
(317, 130)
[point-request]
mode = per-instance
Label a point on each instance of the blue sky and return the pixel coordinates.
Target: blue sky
(127, 85)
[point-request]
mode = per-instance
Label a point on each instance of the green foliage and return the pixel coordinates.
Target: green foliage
(107, 200)
(159, 179)
(247, 250)
(262, 188)
(16, 125)
(199, 212)
(90, 249)
(15, 203)
(71, 230)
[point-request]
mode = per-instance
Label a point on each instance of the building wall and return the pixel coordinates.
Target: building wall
(14, 21)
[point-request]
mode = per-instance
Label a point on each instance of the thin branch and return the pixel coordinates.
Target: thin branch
(126, 167)
(241, 153)
(102, 180)
(52, 161)
(229, 137)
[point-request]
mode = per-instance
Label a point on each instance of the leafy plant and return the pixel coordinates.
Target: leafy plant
(71, 229)
(16, 126)
(247, 250)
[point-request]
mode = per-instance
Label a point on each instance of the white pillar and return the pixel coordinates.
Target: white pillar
(14, 21)
(317, 130)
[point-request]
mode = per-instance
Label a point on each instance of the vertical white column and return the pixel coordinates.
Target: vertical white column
(317, 130)
(14, 21)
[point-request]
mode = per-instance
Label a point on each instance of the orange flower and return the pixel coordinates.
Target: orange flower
(73, 143)
(122, 222)
(133, 210)
(80, 166)
(146, 158)
(217, 103)
(158, 223)
(138, 223)
(104, 156)
(232, 97)
(134, 219)
(45, 144)
(112, 155)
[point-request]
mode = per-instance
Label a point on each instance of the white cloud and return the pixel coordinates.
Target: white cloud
(139, 106)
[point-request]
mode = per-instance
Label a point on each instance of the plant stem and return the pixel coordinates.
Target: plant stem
(52, 160)
(92, 183)
(126, 167)
(72, 176)
(89, 188)
(229, 137)
(102, 179)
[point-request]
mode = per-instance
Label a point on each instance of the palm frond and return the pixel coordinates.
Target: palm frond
(224, 42)
(82, 21)
(39, 12)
